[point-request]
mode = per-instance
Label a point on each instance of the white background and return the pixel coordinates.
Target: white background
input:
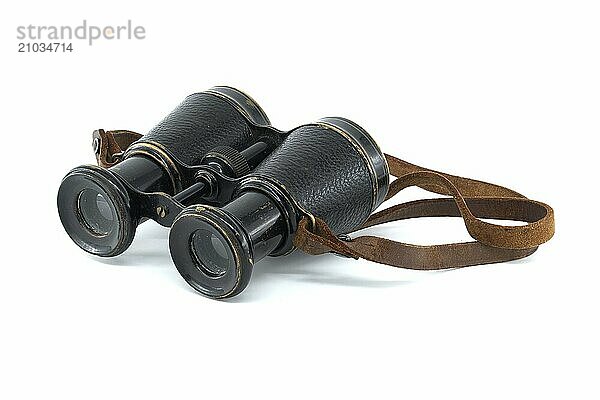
(506, 92)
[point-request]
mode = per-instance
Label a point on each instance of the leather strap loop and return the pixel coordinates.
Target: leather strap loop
(467, 187)
(109, 145)
(471, 200)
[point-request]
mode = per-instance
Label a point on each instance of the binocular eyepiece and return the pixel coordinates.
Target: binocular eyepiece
(232, 188)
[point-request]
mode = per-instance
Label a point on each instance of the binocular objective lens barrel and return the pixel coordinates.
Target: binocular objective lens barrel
(144, 174)
(260, 219)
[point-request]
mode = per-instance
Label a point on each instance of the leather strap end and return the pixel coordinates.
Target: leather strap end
(110, 145)
(320, 240)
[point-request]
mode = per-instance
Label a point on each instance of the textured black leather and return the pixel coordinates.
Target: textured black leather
(325, 174)
(201, 122)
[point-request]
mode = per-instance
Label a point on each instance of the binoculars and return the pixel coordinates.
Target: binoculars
(232, 188)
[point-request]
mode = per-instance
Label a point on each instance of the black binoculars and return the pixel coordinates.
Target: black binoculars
(231, 187)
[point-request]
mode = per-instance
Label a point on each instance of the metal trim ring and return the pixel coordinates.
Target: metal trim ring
(158, 153)
(243, 103)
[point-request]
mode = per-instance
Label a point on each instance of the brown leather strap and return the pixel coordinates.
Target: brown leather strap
(471, 200)
(110, 145)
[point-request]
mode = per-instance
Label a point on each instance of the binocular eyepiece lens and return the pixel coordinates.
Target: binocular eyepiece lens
(211, 255)
(210, 252)
(96, 212)
(94, 209)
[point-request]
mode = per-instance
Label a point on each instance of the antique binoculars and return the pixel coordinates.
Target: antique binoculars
(231, 187)
(234, 190)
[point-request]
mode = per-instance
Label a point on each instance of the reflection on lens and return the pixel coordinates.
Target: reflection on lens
(103, 207)
(95, 212)
(211, 254)
(218, 246)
